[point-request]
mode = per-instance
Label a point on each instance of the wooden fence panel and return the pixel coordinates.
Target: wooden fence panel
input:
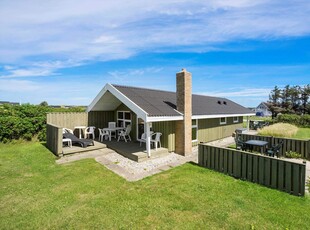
(270, 172)
(54, 139)
(67, 120)
(295, 145)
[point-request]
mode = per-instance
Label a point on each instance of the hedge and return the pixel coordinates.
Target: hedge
(26, 121)
(298, 120)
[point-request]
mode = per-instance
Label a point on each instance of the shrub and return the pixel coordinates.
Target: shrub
(298, 120)
(26, 121)
(292, 154)
(279, 130)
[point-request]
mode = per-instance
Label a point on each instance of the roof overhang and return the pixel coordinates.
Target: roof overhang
(221, 115)
(110, 97)
(164, 118)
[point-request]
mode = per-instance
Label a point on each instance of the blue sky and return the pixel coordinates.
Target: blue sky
(64, 52)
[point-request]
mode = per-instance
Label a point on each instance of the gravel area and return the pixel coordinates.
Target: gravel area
(146, 166)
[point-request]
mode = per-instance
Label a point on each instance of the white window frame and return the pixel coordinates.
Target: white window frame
(124, 120)
(235, 120)
(223, 123)
(196, 127)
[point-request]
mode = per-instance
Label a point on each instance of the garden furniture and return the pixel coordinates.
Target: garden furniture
(124, 134)
(83, 142)
(274, 150)
(90, 131)
(261, 144)
(156, 140)
(80, 128)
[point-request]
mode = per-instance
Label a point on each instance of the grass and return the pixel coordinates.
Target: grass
(302, 133)
(36, 193)
(279, 130)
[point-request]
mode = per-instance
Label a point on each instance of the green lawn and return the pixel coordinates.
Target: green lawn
(35, 193)
(303, 133)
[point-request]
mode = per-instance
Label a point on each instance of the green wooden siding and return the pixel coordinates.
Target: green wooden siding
(167, 128)
(100, 119)
(210, 129)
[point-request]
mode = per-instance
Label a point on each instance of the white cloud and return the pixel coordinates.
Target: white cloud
(247, 92)
(15, 86)
(107, 30)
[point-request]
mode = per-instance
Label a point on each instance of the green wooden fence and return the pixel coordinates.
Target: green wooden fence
(271, 172)
(295, 145)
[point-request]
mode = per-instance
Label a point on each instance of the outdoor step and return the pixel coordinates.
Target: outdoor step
(84, 155)
(134, 151)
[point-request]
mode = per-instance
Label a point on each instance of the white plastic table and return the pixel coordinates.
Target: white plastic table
(110, 130)
(80, 128)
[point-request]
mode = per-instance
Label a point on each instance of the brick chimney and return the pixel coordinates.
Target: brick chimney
(183, 135)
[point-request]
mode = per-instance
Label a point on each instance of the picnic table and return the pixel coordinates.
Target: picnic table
(261, 144)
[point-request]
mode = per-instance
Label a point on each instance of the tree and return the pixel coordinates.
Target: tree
(274, 104)
(294, 100)
(43, 103)
(294, 95)
(305, 94)
(286, 99)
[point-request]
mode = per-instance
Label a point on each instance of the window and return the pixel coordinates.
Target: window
(236, 119)
(223, 121)
(194, 130)
(123, 118)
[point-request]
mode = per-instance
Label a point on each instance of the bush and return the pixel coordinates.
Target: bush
(308, 184)
(26, 121)
(292, 154)
(298, 120)
(279, 130)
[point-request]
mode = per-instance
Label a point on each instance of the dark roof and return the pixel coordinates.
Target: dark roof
(163, 103)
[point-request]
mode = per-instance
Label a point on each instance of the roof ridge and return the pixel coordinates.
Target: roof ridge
(135, 87)
(166, 91)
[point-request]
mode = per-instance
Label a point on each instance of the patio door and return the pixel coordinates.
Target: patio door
(123, 118)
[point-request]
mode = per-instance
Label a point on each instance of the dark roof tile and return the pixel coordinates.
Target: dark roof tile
(163, 103)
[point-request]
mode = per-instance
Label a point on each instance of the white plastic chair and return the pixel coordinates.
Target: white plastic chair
(103, 134)
(112, 125)
(156, 140)
(90, 130)
(124, 134)
(143, 137)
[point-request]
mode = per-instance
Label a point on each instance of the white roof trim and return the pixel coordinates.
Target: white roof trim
(129, 103)
(164, 118)
(178, 118)
(221, 115)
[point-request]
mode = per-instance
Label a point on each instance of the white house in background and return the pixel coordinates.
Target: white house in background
(262, 110)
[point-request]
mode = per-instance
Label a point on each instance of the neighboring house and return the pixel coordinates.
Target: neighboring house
(8, 102)
(183, 119)
(262, 110)
(66, 106)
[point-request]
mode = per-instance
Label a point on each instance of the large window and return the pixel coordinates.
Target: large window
(194, 130)
(123, 118)
(236, 119)
(223, 121)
